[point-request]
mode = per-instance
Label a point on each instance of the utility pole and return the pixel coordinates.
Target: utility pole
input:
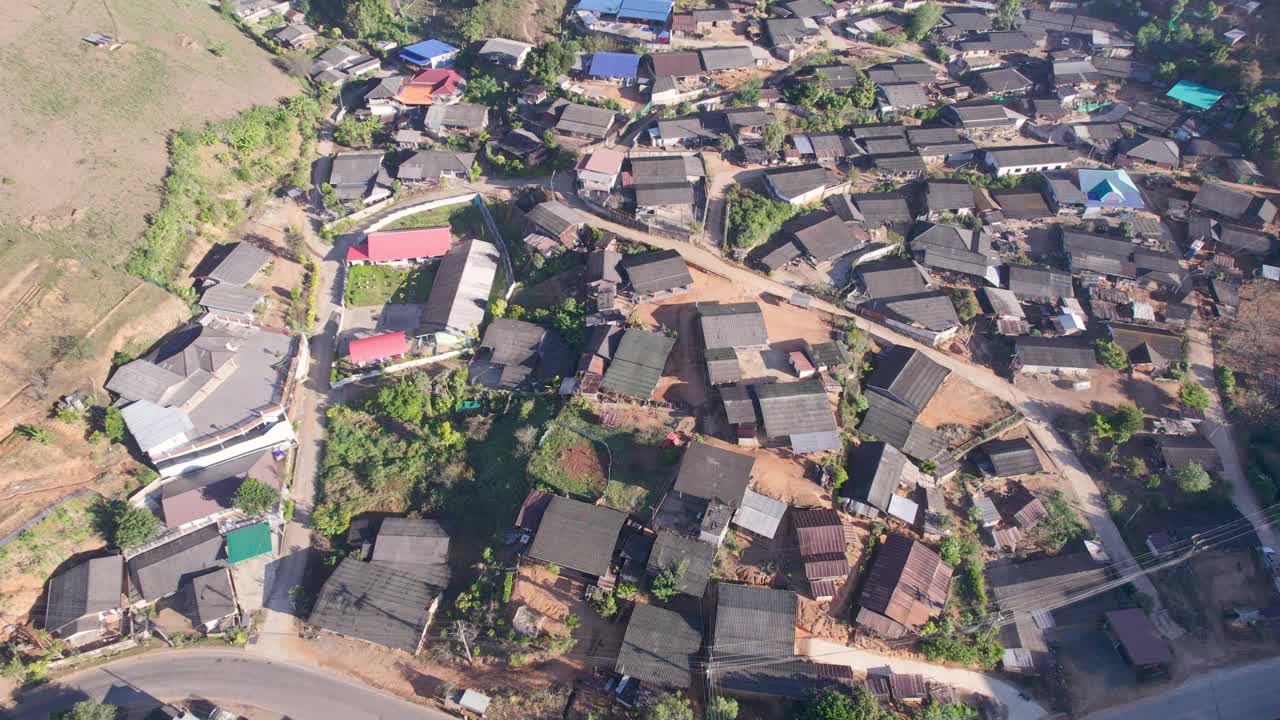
(463, 629)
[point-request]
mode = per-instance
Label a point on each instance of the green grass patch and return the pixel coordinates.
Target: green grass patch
(463, 219)
(382, 284)
(40, 549)
(548, 466)
(637, 477)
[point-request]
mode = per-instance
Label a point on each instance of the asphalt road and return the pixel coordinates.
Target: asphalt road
(1249, 691)
(143, 683)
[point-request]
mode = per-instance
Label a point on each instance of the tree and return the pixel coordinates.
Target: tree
(665, 584)
(775, 134)
(947, 711)
(1193, 395)
(726, 143)
(130, 525)
(550, 61)
(371, 19)
(1008, 14)
(722, 708)
(474, 172)
(89, 710)
(1111, 355)
(1166, 71)
(1213, 10)
(834, 705)
(754, 218)
(354, 132)
(483, 89)
(839, 476)
(255, 497)
(1149, 36)
(670, 706)
(1192, 478)
(113, 424)
(966, 303)
(401, 400)
(923, 19)
(1125, 421)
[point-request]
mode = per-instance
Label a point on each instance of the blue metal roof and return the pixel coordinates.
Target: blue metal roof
(421, 53)
(650, 10)
(1109, 188)
(615, 65)
(600, 7)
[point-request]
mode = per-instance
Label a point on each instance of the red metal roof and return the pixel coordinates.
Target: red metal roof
(683, 23)
(402, 245)
(377, 347)
(438, 81)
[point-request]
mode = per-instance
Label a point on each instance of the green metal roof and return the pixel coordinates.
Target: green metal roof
(1194, 94)
(248, 542)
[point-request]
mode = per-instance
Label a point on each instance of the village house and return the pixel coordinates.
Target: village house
(429, 54)
(442, 121)
(432, 166)
(1068, 357)
(377, 349)
(456, 304)
(906, 587)
(904, 296)
(637, 364)
(401, 247)
(1019, 160)
(510, 53)
(804, 184)
(83, 601)
(598, 172)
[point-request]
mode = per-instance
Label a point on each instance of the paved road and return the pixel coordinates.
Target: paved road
(1246, 692)
(1200, 354)
(228, 676)
(985, 683)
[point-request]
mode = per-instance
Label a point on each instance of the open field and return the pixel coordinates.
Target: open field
(381, 284)
(84, 136)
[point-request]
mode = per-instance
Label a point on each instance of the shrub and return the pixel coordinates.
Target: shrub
(113, 424)
(1061, 525)
(722, 708)
(34, 433)
(1110, 354)
(330, 519)
(664, 585)
(670, 706)
(90, 710)
(1152, 482)
(859, 704)
(1116, 502)
(966, 303)
(1226, 378)
(1136, 467)
(1193, 395)
(255, 497)
(1192, 478)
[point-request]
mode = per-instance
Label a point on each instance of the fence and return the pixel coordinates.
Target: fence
(398, 367)
(45, 513)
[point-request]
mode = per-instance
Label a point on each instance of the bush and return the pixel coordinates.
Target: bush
(664, 585)
(89, 710)
(754, 218)
(113, 424)
(966, 303)
(330, 519)
(1192, 478)
(859, 704)
(1193, 395)
(1061, 525)
(1116, 502)
(1152, 482)
(1226, 378)
(1135, 467)
(255, 497)
(722, 708)
(1110, 354)
(670, 706)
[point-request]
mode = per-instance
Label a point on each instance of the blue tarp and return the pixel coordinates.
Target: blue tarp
(615, 65)
(1194, 94)
(647, 10)
(600, 7)
(422, 53)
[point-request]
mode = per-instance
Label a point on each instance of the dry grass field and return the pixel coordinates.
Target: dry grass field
(83, 140)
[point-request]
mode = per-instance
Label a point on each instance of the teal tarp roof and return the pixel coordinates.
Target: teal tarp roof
(1194, 94)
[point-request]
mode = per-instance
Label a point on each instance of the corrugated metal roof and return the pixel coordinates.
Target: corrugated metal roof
(660, 647)
(759, 514)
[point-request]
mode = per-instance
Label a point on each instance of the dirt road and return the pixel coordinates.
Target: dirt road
(1219, 431)
(984, 683)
